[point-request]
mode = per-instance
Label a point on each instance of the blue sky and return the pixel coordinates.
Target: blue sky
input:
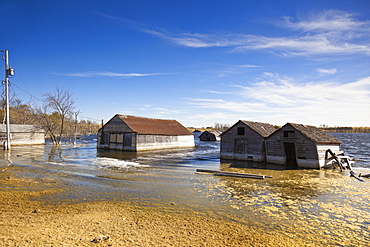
(198, 62)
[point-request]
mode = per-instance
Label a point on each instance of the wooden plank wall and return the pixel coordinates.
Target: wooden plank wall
(253, 144)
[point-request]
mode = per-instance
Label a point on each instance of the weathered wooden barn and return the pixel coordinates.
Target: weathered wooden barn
(245, 140)
(299, 145)
(130, 133)
(23, 134)
(210, 135)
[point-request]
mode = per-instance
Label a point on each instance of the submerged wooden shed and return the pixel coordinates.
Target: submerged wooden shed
(131, 133)
(22, 134)
(245, 140)
(299, 145)
(210, 135)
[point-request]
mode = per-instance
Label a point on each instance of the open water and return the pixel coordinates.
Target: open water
(327, 207)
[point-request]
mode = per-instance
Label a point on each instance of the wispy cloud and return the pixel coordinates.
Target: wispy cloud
(327, 71)
(221, 104)
(283, 99)
(109, 74)
(151, 110)
(327, 32)
(327, 21)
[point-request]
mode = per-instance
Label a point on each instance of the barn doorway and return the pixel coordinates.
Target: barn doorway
(290, 155)
(239, 146)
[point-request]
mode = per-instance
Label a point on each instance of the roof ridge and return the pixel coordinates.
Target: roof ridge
(131, 116)
(144, 125)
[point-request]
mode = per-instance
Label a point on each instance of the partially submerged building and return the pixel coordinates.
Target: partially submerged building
(245, 140)
(210, 135)
(131, 133)
(299, 145)
(22, 134)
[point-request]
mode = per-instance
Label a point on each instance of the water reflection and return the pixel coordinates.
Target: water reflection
(55, 154)
(251, 165)
(322, 205)
(117, 154)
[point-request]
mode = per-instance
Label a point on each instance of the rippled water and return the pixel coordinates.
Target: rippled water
(327, 207)
(356, 145)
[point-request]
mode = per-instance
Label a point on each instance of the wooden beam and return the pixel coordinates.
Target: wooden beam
(364, 175)
(233, 174)
(228, 174)
(354, 175)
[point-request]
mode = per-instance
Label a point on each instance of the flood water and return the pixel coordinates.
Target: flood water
(327, 207)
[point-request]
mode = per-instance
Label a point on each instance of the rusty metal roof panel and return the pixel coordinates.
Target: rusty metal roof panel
(152, 126)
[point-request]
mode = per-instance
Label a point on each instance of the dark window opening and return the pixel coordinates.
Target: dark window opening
(103, 137)
(289, 133)
(241, 131)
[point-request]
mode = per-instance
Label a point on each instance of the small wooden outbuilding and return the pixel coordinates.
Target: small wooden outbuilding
(210, 135)
(299, 145)
(131, 133)
(23, 134)
(245, 140)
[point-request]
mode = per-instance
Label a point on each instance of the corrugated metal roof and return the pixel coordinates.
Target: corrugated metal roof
(21, 128)
(264, 129)
(152, 126)
(315, 134)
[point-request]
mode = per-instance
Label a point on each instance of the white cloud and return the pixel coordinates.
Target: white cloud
(328, 32)
(108, 74)
(166, 111)
(335, 21)
(220, 104)
(248, 66)
(280, 100)
(327, 71)
(325, 32)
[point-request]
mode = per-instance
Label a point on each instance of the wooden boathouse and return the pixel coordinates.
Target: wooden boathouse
(210, 135)
(299, 145)
(131, 133)
(245, 140)
(22, 134)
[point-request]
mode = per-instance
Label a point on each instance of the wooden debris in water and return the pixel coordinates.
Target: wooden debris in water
(355, 176)
(340, 160)
(233, 174)
(343, 162)
(364, 175)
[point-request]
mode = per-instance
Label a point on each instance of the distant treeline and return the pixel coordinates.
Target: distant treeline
(326, 129)
(346, 129)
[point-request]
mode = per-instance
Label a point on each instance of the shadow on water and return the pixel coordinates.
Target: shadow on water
(255, 165)
(55, 154)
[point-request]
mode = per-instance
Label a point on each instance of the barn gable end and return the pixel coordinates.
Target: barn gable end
(245, 140)
(299, 145)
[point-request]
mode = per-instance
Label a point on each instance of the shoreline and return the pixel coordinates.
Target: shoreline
(29, 220)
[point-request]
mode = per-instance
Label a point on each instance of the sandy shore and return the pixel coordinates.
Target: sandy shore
(27, 220)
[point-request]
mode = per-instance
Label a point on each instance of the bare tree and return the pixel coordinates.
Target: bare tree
(59, 106)
(221, 127)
